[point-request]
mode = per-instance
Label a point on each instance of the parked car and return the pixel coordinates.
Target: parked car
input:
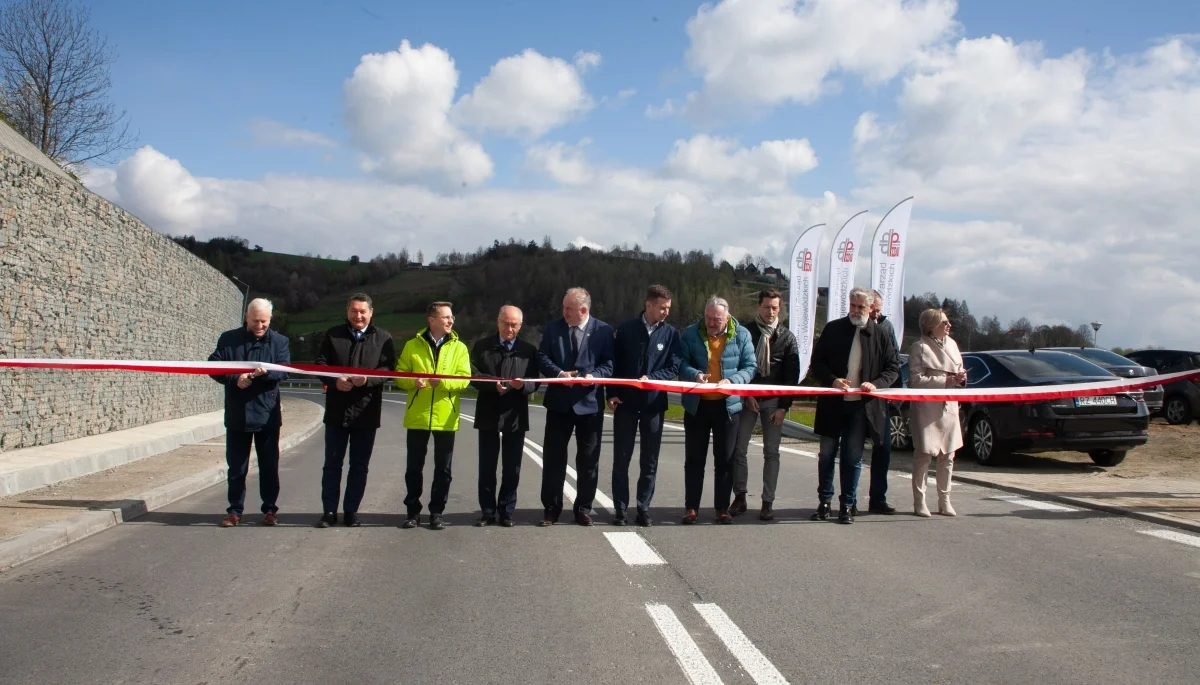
(1105, 427)
(1181, 399)
(1121, 367)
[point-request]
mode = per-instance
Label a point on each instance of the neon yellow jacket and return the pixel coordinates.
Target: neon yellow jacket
(436, 408)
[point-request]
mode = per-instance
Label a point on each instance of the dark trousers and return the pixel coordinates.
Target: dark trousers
(627, 423)
(587, 429)
(414, 472)
(881, 460)
(237, 458)
(361, 441)
(710, 418)
(491, 445)
(846, 450)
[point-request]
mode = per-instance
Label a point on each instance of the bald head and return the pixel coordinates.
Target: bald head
(509, 321)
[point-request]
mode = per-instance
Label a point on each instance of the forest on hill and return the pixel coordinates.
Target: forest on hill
(309, 292)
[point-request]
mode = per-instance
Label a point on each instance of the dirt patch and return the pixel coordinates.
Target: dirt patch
(1172, 452)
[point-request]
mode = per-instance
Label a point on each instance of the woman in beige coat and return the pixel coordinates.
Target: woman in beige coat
(934, 362)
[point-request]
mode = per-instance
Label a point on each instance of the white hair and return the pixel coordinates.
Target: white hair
(260, 304)
(716, 301)
(861, 293)
(513, 307)
(582, 297)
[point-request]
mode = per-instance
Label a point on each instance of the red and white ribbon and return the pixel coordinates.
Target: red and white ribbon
(1017, 394)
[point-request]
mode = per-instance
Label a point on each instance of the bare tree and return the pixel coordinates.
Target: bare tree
(56, 80)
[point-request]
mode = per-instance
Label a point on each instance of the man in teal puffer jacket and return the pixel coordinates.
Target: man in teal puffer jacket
(716, 350)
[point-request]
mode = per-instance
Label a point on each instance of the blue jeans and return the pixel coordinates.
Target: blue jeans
(851, 441)
(361, 441)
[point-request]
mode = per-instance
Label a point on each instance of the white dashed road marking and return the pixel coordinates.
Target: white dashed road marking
(691, 660)
(1033, 503)
(753, 661)
(633, 549)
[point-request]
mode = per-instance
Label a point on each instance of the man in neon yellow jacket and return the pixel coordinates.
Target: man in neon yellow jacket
(432, 409)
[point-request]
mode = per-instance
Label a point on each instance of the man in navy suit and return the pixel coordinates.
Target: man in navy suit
(575, 346)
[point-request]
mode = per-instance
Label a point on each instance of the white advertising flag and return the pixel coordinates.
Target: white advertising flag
(843, 256)
(802, 298)
(887, 264)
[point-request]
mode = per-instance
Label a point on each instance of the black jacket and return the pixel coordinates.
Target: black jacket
(375, 351)
(508, 411)
(785, 364)
(256, 407)
(636, 354)
(830, 361)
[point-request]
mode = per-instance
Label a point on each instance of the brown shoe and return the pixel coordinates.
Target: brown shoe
(230, 521)
(546, 523)
(269, 519)
(739, 504)
(765, 514)
(723, 517)
(689, 518)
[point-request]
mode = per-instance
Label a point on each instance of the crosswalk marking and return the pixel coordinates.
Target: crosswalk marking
(687, 653)
(633, 549)
(752, 660)
(1033, 503)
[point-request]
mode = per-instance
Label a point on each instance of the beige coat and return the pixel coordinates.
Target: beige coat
(934, 425)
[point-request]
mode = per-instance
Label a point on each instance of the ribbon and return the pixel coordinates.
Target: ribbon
(1034, 393)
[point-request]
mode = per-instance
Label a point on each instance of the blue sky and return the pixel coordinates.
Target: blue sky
(1014, 123)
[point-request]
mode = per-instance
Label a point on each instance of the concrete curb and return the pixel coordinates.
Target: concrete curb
(29, 546)
(33, 477)
(1149, 517)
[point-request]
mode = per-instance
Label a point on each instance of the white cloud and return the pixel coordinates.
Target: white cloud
(162, 193)
(586, 60)
(397, 109)
(671, 216)
(770, 164)
(563, 163)
(866, 129)
(767, 52)
(667, 109)
(527, 95)
(1081, 168)
(270, 133)
(581, 242)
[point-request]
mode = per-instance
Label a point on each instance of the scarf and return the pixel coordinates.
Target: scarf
(762, 351)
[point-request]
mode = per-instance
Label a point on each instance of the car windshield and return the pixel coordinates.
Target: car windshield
(1103, 356)
(1049, 365)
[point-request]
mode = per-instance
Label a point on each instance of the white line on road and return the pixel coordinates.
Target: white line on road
(687, 653)
(1033, 503)
(1173, 536)
(753, 661)
(789, 450)
(634, 549)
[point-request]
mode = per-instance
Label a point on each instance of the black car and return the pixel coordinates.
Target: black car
(1181, 399)
(1105, 427)
(1122, 368)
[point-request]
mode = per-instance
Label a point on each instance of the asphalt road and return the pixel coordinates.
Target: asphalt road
(1004, 593)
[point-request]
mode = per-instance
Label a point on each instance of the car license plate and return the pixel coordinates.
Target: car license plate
(1097, 401)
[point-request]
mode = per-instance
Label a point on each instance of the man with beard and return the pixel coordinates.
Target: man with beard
(853, 355)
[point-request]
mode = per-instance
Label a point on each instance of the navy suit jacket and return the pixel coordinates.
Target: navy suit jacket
(595, 357)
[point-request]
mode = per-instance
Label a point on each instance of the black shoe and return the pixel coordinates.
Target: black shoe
(766, 513)
(619, 518)
(846, 515)
(854, 510)
(435, 522)
(351, 520)
(486, 520)
(822, 512)
(643, 519)
(881, 508)
(583, 519)
(411, 522)
(506, 523)
(327, 519)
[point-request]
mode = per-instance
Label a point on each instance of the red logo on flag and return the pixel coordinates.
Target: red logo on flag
(845, 251)
(889, 244)
(804, 261)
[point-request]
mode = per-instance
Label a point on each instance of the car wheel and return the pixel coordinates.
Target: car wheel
(901, 437)
(982, 441)
(1107, 457)
(1177, 411)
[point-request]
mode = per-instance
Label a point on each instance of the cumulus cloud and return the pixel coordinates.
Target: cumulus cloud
(397, 107)
(527, 95)
(270, 133)
(769, 164)
(1081, 170)
(565, 164)
(161, 192)
(775, 51)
